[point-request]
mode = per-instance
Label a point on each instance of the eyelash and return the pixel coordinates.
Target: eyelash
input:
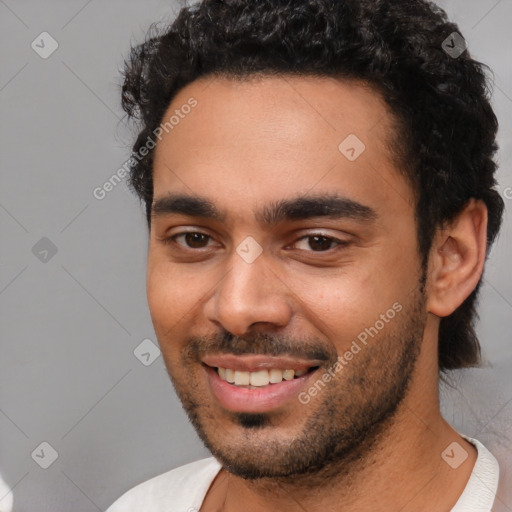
(172, 240)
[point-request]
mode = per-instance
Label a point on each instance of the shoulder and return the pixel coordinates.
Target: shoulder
(183, 487)
(480, 492)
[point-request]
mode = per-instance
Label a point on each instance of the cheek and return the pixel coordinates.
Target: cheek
(340, 304)
(171, 294)
(170, 298)
(343, 306)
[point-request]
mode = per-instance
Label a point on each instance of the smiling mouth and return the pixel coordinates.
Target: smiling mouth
(261, 378)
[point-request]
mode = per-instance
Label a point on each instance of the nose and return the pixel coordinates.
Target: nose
(249, 296)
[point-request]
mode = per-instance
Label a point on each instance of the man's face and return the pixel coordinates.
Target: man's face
(303, 257)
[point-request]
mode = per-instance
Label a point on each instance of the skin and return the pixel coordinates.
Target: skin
(249, 143)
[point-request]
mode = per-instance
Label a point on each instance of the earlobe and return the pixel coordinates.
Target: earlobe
(457, 259)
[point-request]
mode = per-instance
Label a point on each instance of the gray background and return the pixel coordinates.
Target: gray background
(70, 324)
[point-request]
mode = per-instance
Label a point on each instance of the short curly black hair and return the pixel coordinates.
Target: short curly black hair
(446, 128)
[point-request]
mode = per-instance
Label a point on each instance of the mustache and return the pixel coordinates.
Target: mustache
(258, 343)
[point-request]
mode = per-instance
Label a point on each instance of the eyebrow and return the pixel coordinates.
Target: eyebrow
(299, 208)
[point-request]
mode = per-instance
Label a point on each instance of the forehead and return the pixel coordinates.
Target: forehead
(268, 136)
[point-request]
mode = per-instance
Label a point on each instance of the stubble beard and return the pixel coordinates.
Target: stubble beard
(351, 414)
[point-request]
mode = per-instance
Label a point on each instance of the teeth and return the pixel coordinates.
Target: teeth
(242, 378)
(288, 374)
(260, 378)
(276, 376)
(230, 376)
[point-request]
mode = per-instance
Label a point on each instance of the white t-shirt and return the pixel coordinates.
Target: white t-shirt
(183, 489)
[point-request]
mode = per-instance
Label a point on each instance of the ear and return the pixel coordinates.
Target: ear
(457, 259)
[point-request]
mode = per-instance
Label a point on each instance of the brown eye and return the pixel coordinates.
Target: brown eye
(192, 240)
(318, 243)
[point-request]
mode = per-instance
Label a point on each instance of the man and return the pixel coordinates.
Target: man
(318, 181)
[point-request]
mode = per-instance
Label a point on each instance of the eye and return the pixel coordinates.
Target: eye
(190, 240)
(318, 243)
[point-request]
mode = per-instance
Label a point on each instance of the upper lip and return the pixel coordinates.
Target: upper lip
(254, 363)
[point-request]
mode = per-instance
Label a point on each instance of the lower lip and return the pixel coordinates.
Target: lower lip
(262, 399)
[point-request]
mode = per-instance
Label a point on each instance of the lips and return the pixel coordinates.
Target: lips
(261, 398)
(254, 363)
